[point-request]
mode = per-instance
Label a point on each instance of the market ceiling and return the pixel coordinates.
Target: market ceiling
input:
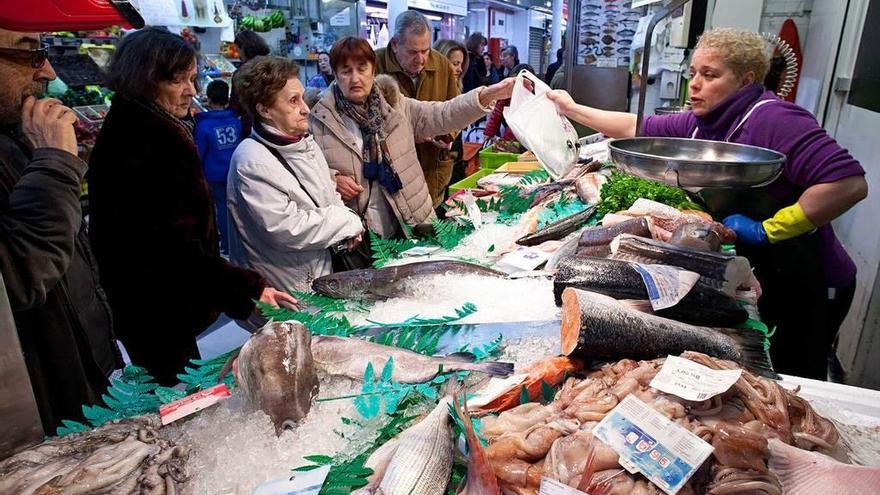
(67, 15)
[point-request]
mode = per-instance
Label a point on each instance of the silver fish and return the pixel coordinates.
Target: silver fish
(341, 356)
(422, 464)
(276, 372)
(390, 281)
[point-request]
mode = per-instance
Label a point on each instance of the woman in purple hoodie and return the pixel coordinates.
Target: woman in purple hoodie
(808, 279)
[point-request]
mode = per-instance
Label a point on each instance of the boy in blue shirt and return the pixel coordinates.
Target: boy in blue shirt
(217, 133)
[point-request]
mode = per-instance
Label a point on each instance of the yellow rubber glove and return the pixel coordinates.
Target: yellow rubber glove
(787, 223)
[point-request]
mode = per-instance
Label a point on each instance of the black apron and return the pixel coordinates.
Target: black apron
(792, 276)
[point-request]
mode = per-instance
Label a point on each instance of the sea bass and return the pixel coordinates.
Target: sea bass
(598, 326)
(276, 372)
(391, 281)
(341, 356)
(558, 229)
(702, 305)
(422, 464)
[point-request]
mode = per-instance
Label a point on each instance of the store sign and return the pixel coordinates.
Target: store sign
(200, 13)
(342, 18)
(454, 7)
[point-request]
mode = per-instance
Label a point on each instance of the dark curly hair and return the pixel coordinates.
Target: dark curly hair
(260, 80)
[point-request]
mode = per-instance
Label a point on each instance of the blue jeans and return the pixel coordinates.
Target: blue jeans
(218, 191)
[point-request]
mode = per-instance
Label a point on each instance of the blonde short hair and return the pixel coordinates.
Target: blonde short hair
(742, 51)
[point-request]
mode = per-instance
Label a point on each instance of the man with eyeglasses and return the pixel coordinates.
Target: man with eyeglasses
(60, 311)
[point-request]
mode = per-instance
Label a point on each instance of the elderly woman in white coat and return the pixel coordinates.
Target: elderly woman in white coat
(367, 131)
(282, 200)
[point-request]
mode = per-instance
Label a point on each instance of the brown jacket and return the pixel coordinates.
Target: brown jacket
(404, 118)
(437, 83)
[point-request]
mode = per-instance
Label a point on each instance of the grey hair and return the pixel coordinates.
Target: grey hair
(410, 20)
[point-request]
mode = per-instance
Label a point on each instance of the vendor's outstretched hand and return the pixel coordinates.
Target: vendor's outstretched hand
(499, 91)
(275, 298)
(565, 105)
(748, 231)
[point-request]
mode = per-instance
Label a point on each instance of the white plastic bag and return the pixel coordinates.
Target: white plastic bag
(539, 127)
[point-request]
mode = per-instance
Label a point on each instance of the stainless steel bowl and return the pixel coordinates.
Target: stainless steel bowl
(671, 110)
(695, 163)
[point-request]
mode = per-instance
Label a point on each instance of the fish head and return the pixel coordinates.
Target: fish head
(344, 285)
(280, 375)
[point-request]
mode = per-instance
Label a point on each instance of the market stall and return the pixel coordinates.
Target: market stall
(571, 326)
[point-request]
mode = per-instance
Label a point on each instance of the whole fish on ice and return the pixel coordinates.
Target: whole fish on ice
(276, 372)
(341, 356)
(392, 281)
(422, 464)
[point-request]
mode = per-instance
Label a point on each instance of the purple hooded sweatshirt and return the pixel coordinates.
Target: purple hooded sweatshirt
(812, 156)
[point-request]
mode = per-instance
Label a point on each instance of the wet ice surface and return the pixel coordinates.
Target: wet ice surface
(497, 300)
(234, 447)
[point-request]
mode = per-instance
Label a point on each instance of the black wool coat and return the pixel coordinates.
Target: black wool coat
(155, 237)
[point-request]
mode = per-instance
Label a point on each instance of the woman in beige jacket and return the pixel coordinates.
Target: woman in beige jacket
(367, 131)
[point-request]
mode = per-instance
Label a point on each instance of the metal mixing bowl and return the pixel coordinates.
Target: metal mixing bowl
(671, 110)
(695, 163)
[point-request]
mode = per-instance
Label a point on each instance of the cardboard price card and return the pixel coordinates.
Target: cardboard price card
(648, 442)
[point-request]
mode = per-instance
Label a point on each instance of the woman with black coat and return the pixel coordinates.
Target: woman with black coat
(152, 223)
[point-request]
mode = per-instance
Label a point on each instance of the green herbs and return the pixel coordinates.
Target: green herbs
(622, 190)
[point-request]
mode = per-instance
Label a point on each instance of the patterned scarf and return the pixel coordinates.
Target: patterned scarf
(377, 161)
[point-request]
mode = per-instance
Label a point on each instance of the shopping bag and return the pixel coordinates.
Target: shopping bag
(539, 127)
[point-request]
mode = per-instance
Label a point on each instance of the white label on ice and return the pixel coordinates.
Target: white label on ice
(693, 381)
(552, 487)
(666, 285)
(523, 259)
(664, 452)
(494, 389)
(301, 483)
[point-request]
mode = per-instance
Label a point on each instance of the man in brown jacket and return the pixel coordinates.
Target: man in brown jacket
(426, 75)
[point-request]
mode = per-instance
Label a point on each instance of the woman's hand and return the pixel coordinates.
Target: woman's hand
(274, 298)
(347, 187)
(565, 105)
(499, 91)
(353, 242)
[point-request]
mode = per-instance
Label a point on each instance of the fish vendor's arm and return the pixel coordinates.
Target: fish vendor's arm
(612, 124)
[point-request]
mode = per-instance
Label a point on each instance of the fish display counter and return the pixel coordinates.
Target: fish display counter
(593, 334)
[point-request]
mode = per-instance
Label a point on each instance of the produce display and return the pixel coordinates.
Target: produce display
(263, 24)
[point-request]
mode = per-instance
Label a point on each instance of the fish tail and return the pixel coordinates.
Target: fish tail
(752, 348)
(493, 368)
(480, 478)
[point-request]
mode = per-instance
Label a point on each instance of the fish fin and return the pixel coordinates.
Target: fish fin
(479, 470)
(804, 472)
(494, 368)
(464, 357)
(750, 344)
(228, 366)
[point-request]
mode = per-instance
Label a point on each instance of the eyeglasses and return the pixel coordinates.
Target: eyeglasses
(35, 57)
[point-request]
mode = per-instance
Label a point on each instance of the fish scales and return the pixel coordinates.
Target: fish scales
(723, 271)
(702, 305)
(391, 281)
(342, 356)
(557, 229)
(612, 331)
(422, 464)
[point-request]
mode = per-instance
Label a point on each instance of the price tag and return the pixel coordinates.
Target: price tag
(664, 452)
(552, 487)
(523, 259)
(194, 403)
(666, 285)
(301, 483)
(693, 381)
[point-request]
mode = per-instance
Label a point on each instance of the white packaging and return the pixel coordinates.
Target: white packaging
(537, 125)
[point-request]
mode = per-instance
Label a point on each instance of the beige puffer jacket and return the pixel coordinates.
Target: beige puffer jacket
(404, 119)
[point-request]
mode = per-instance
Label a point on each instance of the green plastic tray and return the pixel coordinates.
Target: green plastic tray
(470, 182)
(490, 159)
